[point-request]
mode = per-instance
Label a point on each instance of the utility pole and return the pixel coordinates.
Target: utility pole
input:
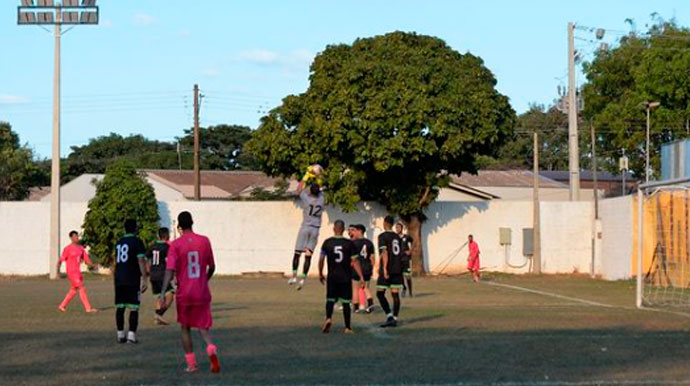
(55, 161)
(536, 232)
(197, 173)
(57, 14)
(594, 172)
(573, 151)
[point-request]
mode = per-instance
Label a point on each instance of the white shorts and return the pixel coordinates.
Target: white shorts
(307, 238)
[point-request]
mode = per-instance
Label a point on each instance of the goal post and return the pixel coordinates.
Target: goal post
(663, 244)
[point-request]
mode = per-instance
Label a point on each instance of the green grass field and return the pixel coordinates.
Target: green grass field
(454, 331)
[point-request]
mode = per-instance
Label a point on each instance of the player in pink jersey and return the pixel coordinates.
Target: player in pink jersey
(190, 258)
(473, 258)
(72, 256)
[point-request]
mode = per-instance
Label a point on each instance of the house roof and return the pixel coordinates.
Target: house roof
(586, 175)
(215, 184)
(36, 193)
(504, 178)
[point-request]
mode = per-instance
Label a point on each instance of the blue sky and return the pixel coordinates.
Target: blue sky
(134, 72)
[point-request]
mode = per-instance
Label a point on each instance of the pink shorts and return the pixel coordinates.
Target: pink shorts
(195, 315)
(473, 264)
(77, 280)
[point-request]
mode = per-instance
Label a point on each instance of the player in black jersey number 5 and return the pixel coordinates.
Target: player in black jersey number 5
(342, 259)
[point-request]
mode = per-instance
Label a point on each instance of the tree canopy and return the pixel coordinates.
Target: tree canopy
(19, 170)
(220, 149)
(389, 117)
(123, 193)
(644, 67)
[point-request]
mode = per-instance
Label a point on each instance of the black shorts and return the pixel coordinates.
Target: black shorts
(367, 275)
(393, 282)
(407, 271)
(157, 286)
(339, 292)
(127, 296)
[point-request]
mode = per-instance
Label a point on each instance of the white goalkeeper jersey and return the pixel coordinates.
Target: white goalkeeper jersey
(313, 209)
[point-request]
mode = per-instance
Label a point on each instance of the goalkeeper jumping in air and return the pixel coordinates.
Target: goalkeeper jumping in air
(313, 205)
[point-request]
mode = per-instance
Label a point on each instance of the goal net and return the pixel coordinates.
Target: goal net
(663, 237)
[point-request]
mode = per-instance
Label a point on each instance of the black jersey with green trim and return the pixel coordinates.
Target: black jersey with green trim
(339, 252)
(392, 243)
(407, 247)
(128, 250)
(365, 249)
(156, 256)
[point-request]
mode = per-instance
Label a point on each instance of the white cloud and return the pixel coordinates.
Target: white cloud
(143, 19)
(211, 71)
(6, 99)
(260, 56)
(106, 23)
(297, 59)
(184, 33)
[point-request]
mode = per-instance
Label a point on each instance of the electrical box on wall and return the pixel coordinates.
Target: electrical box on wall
(527, 241)
(504, 236)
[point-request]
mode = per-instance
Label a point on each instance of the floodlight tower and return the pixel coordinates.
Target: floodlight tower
(56, 13)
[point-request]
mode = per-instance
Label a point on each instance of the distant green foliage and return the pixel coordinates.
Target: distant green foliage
(643, 67)
(389, 118)
(221, 149)
(123, 193)
(279, 192)
(18, 169)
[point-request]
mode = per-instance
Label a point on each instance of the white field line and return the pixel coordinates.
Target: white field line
(583, 301)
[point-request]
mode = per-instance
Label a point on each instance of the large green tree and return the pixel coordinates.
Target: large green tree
(222, 147)
(390, 117)
(643, 67)
(123, 193)
(18, 169)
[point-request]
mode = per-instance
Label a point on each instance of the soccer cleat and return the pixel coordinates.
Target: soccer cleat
(215, 363)
(348, 331)
(390, 322)
(92, 311)
(292, 280)
(62, 309)
(132, 337)
(121, 337)
(300, 285)
(326, 328)
(191, 369)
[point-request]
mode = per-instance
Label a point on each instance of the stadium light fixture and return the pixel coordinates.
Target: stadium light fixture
(649, 106)
(50, 12)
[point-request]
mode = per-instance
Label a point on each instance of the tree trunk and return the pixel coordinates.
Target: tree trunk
(414, 229)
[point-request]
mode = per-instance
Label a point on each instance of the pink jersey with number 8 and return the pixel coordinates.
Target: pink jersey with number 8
(190, 256)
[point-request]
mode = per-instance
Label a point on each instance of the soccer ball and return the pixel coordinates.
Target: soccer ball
(316, 169)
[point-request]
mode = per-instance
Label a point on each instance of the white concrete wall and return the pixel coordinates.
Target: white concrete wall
(545, 194)
(616, 237)
(259, 236)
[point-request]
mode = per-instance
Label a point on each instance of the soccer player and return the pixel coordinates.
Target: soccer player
(72, 256)
(390, 271)
(190, 258)
(130, 281)
(342, 259)
(308, 235)
(156, 263)
(473, 258)
(406, 258)
(366, 254)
